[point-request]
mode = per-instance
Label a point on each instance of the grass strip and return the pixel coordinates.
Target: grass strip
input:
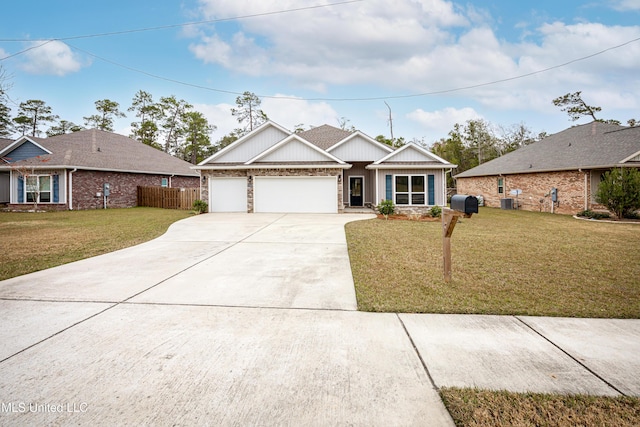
(482, 408)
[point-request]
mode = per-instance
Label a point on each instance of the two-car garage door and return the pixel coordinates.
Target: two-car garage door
(296, 194)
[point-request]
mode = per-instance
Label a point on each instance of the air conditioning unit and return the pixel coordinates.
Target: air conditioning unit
(506, 204)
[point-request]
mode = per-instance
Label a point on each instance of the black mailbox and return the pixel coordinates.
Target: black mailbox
(465, 204)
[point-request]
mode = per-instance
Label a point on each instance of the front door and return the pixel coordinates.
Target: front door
(355, 191)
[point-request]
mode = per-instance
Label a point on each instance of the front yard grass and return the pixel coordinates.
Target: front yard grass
(479, 408)
(504, 262)
(35, 241)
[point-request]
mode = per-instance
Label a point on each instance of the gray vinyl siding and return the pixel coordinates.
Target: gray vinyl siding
(438, 181)
(411, 155)
(253, 146)
(358, 149)
(294, 151)
(358, 169)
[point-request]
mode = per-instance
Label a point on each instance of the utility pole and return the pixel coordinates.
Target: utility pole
(390, 122)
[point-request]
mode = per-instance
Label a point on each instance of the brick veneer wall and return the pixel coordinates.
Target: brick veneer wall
(572, 189)
(204, 186)
(123, 187)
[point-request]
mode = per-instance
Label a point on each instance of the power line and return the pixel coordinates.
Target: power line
(375, 98)
(165, 27)
(26, 50)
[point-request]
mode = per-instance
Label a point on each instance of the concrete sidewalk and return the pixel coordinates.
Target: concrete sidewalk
(251, 319)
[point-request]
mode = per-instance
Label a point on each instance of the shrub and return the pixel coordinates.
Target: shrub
(435, 211)
(619, 191)
(200, 206)
(593, 215)
(386, 208)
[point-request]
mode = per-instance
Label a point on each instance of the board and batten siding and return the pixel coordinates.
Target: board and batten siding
(294, 151)
(358, 149)
(438, 174)
(248, 149)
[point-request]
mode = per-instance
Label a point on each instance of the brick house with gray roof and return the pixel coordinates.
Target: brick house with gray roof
(69, 171)
(572, 161)
(321, 170)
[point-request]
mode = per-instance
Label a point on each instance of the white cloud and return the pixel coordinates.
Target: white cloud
(422, 46)
(626, 5)
(285, 110)
(442, 121)
(220, 116)
(53, 57)
(289, 112)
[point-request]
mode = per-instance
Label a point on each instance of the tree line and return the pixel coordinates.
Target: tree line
(169, 124)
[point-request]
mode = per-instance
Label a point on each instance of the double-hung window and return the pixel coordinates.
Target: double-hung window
(410, 189)
(38, 189)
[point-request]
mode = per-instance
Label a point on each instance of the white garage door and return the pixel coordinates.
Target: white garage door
(299, 194)
(228, 195)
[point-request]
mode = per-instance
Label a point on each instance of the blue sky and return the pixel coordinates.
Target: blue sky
(314, 65)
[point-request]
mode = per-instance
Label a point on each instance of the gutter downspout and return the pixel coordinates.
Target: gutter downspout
(586, 190)
(71, 188)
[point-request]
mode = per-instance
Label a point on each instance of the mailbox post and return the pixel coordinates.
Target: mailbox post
(461, 206)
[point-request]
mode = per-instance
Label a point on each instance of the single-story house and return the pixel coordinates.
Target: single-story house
(69, 171)
(321, 170)
(572, 162)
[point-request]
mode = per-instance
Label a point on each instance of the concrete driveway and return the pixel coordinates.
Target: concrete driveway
(224, 320)
(251, 320)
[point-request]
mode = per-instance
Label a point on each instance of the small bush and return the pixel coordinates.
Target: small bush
(435, 211)
(200, 206)
(619, 191)
(386, 208)
(593, 215)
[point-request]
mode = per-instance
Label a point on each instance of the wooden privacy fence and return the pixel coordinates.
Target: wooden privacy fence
(167, 198)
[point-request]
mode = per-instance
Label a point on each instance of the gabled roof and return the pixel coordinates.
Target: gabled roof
(95, 149)
(594, 145)
(364, 145)
(4, 143)
(240, 152)
(324, 136)
(302, 151)
(15, 145)
(411, 156)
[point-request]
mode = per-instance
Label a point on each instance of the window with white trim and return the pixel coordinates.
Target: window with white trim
(38, 188)
(410, 189)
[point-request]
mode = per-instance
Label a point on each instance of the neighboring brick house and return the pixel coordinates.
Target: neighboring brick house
(572, 161)
(69, 171)
(320, 170)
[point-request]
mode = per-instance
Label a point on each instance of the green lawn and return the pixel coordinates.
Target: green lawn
(504, 262)
(35, 241)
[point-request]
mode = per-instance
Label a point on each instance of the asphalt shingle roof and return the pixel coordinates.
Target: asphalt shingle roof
(100, 150)
(589, 146)
(324, 136)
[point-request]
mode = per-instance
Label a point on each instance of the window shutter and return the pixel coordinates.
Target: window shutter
(389, 187)
(20, 189)
(432, 190)
(56, 189)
